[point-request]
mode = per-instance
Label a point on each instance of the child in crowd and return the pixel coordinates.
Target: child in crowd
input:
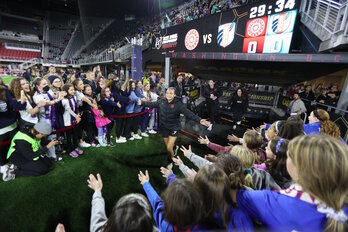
(47, 112)
(132, 212)
(101, 123)
(319, 167)
(119, 96)
(276, 161)
(109, 107)
(253, 141)
(132, 123)
(319, 122)
(80, 98)
(87, 119)
(71, 116)
(180, 205)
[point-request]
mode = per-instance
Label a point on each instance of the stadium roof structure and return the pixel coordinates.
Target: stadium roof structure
(101, 8)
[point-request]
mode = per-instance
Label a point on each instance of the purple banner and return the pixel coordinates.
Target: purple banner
(137, 62)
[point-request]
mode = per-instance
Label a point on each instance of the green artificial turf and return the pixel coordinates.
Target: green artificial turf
(7, 79)
(62, 195)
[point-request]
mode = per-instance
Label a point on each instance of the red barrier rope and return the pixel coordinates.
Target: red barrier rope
(128, 115)
(64, 129)
(4, 143)
(189, 133)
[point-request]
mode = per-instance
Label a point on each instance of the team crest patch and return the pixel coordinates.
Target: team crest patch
(226, 34)
(172, 106)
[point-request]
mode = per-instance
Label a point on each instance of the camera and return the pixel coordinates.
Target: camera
(61, 140)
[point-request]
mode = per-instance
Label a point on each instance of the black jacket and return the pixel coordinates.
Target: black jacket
(239, 104)
(169, 113)
(215, 91)
(24, 152)
(179, 89)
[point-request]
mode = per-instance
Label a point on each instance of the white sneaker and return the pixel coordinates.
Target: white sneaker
(120, 140)
(144, 134)
(152, 132)
(84, 144)
(239, 122)
(137, 136)
(8, 175)
(124, 138)
(131, 138)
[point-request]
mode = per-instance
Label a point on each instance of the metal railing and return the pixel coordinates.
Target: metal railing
(330, 16)
(121, 54)
(29, 63)
(328, 108)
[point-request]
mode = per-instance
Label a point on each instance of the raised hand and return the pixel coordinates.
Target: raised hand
(191, 175)
(177, 161)
(41, 103)
(186, 151)
(143, 178)
(166, 172)
(62, 94)
(204, 122)
(95, 183)
(60, 228)
(211, 158)
(202, 140)
(263, 126)
(233, 138)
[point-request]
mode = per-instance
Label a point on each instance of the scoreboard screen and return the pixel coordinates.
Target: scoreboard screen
(262, 27)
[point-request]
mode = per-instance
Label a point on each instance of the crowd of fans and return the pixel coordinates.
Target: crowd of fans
(270, 180)
(88, 102)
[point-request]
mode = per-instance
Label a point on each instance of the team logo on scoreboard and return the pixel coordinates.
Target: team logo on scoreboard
(191, 39)
(158, 43)
(226, 34)
(281, 23)
(256, 27)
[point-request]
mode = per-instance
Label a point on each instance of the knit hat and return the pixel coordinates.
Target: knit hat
(52, 78)
(43, 128)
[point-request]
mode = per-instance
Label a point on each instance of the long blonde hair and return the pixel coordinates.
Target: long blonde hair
(322, 168)
(247, 158)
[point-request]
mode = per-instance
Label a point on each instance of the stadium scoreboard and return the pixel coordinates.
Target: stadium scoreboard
(262, 27)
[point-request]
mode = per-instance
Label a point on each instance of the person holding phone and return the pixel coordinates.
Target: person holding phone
(26, 152)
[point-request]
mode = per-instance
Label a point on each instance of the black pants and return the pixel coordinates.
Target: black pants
(211, 107)
(128, 127)
(119, 126)
(237, 115)
(108, 130)
(72, 137)
(4, 148)
(136, 124)
(33, 168)
(88, 126)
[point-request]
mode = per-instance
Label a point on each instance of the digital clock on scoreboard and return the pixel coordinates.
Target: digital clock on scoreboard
(271, 7)
(270, 27)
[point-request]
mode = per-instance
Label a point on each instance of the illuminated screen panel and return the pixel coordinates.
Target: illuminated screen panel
(262, 27)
